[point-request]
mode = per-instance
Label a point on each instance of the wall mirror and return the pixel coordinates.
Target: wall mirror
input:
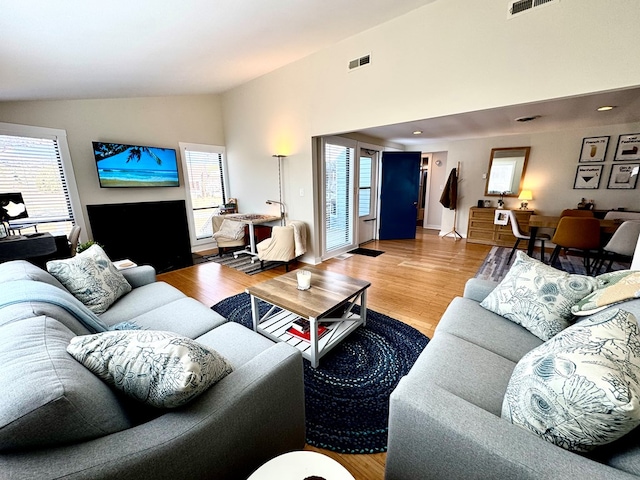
(506, 171)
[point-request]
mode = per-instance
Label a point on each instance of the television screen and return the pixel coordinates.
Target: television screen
(135, 166)
(12, 207)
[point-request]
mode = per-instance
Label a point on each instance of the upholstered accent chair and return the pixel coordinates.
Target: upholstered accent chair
(228, 234)
(285, 244)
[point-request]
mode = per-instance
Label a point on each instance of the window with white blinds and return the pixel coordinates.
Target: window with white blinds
(204, 167)
(338, 189)
(33, 166)
(364, 187)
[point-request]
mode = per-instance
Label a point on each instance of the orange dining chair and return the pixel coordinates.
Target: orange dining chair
(515, 228)
(572, 212)
(577, 233)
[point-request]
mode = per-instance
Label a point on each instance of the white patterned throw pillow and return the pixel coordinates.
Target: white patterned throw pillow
(581, 389)
(537, 296)
(91, 278)
(161, 369)
(230, 229)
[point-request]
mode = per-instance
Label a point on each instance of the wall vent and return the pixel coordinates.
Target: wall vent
(360, 62)
(518, 7)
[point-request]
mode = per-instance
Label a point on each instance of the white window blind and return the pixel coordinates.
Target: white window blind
(206, 186)
(33, 166)
(364, 187)
(338, 195)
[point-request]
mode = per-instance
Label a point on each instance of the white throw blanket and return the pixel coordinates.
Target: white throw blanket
(299, 236)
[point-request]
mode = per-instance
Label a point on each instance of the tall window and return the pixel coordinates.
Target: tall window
(204, 167)
(339, 156)
(31, 163)
(364, 187)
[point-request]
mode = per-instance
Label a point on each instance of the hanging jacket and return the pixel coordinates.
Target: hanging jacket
(449, 196)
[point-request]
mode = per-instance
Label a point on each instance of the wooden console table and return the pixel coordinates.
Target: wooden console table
(481, 228)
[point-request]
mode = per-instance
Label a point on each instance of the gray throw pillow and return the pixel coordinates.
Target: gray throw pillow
(581, 389)
(91, 278)
(49, 399)
(161, 369)
(538, 297)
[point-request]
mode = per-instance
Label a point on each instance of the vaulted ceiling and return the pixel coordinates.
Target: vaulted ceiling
(127, 48)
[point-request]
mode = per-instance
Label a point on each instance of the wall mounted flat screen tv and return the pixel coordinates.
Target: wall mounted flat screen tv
(122, 165)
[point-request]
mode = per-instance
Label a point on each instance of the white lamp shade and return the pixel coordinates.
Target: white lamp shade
(526, 195)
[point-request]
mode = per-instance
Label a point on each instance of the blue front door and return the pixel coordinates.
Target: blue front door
(399, 194)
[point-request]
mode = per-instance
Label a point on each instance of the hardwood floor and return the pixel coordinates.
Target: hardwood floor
(413, 281)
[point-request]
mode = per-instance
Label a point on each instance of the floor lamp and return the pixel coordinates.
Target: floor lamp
(269, 202)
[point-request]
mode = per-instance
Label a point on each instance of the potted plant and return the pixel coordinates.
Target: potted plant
(83, 246)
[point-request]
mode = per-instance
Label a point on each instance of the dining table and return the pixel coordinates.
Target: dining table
(551, 221)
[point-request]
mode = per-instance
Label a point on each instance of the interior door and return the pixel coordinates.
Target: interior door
(400, 185)
(367, 195)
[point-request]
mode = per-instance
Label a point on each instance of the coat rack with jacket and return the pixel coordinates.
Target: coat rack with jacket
(449, 198)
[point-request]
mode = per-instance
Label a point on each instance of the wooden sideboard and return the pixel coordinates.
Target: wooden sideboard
(481, 228)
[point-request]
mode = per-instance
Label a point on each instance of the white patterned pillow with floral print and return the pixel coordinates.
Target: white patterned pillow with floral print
(538, 297)
(161, 369)
(91, 278)
(580, 389)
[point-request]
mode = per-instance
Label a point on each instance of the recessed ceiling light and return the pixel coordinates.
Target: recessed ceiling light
(606, 108)
(417, 132)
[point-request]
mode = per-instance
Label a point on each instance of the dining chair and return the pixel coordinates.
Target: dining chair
(572, 212)
(621, 245)
(577, 233)
(621, 215)
(515, 228)
(73, 238)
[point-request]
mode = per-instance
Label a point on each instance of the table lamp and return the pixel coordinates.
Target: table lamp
(525, 197)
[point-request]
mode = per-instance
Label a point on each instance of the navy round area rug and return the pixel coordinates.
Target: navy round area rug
(347, 396)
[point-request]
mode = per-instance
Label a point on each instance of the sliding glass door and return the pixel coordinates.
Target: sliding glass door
(339, 207)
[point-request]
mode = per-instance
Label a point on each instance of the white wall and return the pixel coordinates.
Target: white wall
(448, 57)
(152, 121)
(438, 177)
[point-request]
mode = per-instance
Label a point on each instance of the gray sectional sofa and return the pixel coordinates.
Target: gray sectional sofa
(251, 415)
(445, 415)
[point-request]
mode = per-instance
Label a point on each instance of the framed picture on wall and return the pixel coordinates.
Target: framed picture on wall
(624, 177)
(588, 176)
(594, 149)
(628, 147)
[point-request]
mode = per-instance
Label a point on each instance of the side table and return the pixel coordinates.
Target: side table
(301, 465)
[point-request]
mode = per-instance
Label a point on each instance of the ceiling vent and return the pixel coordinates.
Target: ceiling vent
(360, 62)
(518, 7)
(527, 119)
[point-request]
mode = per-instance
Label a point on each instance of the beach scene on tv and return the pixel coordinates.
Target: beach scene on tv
(135, 166)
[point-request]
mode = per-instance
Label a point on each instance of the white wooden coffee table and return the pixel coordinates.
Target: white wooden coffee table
(330, 300)
(301, 465)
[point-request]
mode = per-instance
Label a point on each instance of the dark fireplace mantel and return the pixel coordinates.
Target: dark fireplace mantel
(148, 233)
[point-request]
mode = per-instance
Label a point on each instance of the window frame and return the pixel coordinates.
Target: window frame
(351, 190)
(60, 136)
(207, 242)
